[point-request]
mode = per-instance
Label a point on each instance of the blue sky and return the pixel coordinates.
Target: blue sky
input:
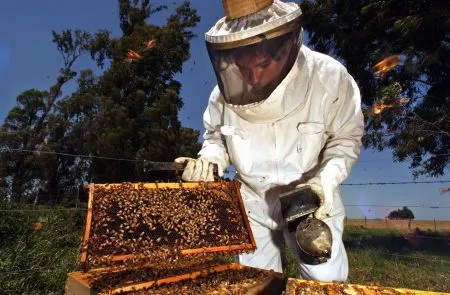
(28, 59)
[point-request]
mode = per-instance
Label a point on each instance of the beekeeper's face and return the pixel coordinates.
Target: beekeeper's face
(262, 68)
(249, 74)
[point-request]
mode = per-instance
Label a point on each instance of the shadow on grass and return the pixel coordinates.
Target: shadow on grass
(428, 242)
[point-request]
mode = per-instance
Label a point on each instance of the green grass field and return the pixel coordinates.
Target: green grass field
(385, 257)
(38, 249)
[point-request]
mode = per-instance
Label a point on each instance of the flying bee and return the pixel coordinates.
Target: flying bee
(386, 65)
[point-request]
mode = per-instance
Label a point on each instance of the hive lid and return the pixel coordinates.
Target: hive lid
(136, 224)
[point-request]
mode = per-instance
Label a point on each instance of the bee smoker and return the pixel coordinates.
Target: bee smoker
(313, 236)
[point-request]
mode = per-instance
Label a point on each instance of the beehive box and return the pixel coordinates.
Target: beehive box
(141, 235)
(307, 287)
(165, 238)
(222, 278)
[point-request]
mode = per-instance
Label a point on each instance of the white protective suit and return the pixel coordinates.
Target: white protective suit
(310, 126)
(304, 126)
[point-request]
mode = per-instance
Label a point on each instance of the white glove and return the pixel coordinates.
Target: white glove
(324, 191)
(196, 169)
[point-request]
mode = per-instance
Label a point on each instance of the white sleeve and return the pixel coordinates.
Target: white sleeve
(345, 128)
(214, 146)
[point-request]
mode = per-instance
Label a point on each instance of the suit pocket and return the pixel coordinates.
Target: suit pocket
(311, 140)
(310, 128)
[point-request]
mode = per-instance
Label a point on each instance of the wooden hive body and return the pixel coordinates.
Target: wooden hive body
(129, 272)
(159, 232)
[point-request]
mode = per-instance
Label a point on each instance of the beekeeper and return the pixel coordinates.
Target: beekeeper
(284, 116)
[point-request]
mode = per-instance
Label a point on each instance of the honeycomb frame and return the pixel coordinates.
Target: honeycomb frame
(306, 287)
(102, 229)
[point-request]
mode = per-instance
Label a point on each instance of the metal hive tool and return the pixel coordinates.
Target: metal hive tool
(156, 224)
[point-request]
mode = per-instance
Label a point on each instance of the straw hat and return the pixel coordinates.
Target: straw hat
(237, 8)
(229, 31)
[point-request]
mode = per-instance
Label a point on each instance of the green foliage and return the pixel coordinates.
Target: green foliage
(404, 213)
(291, 268)
(361, 34)
(136, 103)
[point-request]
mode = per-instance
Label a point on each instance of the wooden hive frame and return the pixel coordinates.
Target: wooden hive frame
(316, 287)
(80, 283)
(234, 186)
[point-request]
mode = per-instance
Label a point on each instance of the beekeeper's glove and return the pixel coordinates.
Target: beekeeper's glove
(196, 169)
(325, 191)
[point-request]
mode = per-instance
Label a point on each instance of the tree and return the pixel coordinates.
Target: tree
(131, 112)
(113, 121)
(404, 213)
(30, 126)
(407, 109)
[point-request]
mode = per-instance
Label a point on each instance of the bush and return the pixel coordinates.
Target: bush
(403, 213)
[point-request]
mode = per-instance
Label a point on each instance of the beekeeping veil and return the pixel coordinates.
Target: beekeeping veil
(253, 48)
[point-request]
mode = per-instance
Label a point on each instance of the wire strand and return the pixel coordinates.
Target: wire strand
(31, 269)
(351, 205)
(43, 210)
(395, 206)
(73, 155)
(396, 183)
(139, 160)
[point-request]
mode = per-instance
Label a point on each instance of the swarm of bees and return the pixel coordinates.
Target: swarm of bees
(133, 224)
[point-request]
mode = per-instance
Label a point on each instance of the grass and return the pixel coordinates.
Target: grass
(374, 267)
(39, 248)
(384, 257)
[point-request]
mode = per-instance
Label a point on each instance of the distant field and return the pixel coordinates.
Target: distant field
(402, 225)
